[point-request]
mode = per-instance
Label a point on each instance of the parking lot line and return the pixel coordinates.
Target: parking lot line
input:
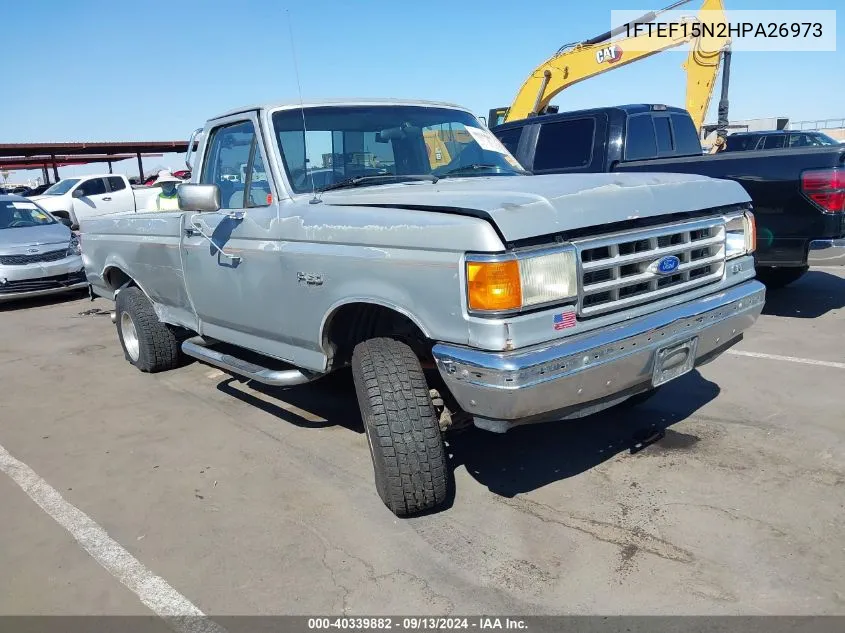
(790, 359)
(153, 591)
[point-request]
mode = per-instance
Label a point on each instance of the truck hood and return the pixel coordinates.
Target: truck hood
(51, 203)
(529, 206)
(13, 241)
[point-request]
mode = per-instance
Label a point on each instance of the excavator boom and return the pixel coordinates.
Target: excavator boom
(602, 54)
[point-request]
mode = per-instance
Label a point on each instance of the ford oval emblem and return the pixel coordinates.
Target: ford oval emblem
(665, 265)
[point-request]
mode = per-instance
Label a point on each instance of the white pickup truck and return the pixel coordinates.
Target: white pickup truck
(90, 196)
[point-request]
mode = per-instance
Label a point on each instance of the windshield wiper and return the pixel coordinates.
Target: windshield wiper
(360, 180)
(475, 167)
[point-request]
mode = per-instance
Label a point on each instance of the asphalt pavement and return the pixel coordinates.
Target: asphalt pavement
(128, 493)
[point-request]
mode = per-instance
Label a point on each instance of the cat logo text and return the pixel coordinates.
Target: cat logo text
(609, 54)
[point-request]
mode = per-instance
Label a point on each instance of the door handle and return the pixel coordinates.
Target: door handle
(107, 198)
(191, 231)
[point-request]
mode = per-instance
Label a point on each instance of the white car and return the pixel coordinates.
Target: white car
(91, 196)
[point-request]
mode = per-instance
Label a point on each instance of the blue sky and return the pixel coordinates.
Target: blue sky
(156, 69)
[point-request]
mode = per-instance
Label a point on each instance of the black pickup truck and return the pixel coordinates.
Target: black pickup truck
(798, 193)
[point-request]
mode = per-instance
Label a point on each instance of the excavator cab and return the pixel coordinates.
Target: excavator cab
(496, 116)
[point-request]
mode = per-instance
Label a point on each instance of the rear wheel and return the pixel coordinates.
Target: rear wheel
(147, 343)
(780, 277)
(403, 432)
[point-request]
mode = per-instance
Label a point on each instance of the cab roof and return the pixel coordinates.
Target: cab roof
(338, 102)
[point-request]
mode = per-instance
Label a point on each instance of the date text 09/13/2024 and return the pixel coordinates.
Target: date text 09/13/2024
(416, 623)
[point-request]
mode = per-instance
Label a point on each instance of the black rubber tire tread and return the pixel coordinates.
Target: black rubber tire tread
(159, 346)
(409, 458)
(780, 277)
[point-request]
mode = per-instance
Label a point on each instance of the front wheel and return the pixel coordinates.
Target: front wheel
(147, 343)
(403, 432)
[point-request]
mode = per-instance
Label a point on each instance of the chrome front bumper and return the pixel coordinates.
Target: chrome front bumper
(826, 253)
(579, 375)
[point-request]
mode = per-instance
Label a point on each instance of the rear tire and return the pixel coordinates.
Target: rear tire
(147, 343)
(409, 458)
(780, 277)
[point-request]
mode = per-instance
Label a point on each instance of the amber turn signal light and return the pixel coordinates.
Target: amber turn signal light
(494, 286)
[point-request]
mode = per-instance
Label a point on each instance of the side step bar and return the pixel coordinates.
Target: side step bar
(197, 347)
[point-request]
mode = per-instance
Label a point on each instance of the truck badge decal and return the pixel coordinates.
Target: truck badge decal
(309, 279)
(665, 265)
(564, 320)
(609, 54)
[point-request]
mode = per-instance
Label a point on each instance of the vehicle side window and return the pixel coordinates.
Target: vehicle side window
(233, 163)
(640, 142)
(774, 141)
(565, 144)
(510, 138)
(664, 134)
(116, 183)
(741, 142)
(93, 187)
(804, 140)
(685, 135)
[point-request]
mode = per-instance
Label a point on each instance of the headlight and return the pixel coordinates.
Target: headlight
(496, 284)
(74, 248)
(740, 235)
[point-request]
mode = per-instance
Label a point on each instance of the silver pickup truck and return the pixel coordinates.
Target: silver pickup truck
(402, 238)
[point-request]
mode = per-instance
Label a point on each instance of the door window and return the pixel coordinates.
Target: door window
(116, 183)
(510, 138)
(233, 162)
(93, 187)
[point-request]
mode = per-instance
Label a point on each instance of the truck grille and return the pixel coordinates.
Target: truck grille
(22, 260)
(615, 269)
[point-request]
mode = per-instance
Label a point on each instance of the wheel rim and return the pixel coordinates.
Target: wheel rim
(130, 336)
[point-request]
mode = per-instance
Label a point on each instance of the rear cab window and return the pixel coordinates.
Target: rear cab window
(687, 142)
(640, 139)
(116, 183)
(741, 142)
(774, 141)
(663, 133)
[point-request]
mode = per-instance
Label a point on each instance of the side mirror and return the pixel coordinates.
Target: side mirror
(66, 221)
(77, 193)
(203, 198)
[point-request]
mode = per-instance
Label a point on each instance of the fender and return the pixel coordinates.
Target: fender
(384, 303)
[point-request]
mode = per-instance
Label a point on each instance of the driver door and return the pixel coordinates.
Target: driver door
(225, 254)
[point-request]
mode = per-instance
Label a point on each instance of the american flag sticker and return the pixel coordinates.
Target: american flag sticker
(564, 320)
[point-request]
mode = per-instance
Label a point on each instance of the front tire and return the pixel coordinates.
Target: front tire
(409, 458)
(147, 343)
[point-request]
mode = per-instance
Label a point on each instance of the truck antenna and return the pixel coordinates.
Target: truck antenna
(308, 173)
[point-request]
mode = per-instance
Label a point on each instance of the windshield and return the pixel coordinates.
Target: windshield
(61, 187)
(379, 144)
(15, 215)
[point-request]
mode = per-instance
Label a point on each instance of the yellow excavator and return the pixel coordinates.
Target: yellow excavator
(576, 62)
